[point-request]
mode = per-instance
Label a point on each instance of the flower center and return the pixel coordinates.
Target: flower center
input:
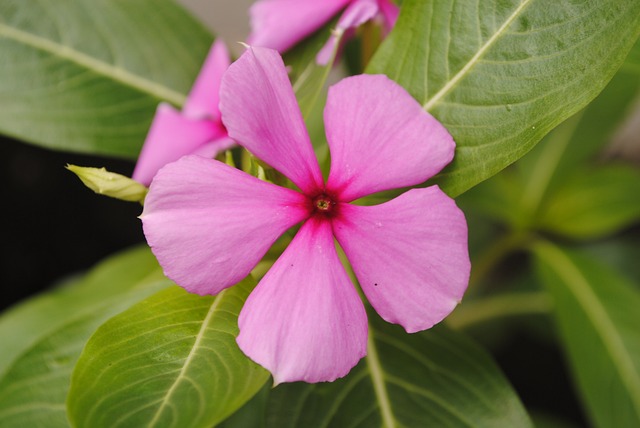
(323, 204)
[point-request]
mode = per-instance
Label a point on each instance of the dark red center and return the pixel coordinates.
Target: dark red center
(324, 204)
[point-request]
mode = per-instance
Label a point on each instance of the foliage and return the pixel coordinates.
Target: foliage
(531, 90)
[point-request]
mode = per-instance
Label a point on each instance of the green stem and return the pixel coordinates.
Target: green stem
(496, 307)
(495, 253)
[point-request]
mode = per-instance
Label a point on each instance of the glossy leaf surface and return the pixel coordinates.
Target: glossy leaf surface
(88, 78)
(432, 378)
(501, 74)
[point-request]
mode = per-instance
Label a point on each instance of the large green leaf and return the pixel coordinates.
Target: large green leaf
(46, 336)
(170, 361)
(598, 318)
(432, 378)
(86, 75)
(500, 74)
(572, 144)
(520, 195)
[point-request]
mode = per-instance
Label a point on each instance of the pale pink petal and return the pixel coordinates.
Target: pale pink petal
(356, 14)
(305, 320)
(327, 52)
(389, 13)
(380, 138)
(212, 149)
(170, 137)
(410, 255)
(280, 24)
(261, 113)
(209, 224)
(203, 98)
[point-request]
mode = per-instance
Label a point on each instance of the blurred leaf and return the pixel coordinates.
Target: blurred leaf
(498, 199)
(518, 195)
(27, 323)
(432, 378)
(499, 306)
(33, 389)
(171, 361)
(307, 77)
(252, 414)
(87, 75)
(500, 74)
(598, 318)
(542, 420)
(621, 252)
(594, 203)
(577, 140)
(309, 80)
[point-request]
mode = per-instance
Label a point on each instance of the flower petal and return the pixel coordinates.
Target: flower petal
(380, 138)
(203, 98)
(213, 148)
(172, 136)
(261, 113)
(389, 13)
(356, 14)
(410, 255)
(209, 224)
(280, 24)
(305, 320)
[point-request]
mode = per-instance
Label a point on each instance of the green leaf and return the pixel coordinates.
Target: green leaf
(598, 318)
(621, 252)
(500, 74)
(572, 144)
(51, 330)
(518, 196)
(309, 80)
(594, 203)
(432, 378)
(252, 414)
(26, 323)
(170, 361)
(307, 77)
(87, 75)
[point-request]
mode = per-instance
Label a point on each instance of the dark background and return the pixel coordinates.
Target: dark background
(53, 225)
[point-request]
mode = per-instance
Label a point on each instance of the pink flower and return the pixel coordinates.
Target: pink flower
(209, 224)
(280, 24)
(196, 130)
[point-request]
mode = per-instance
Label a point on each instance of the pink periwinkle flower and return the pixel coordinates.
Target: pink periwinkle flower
(209, 224)
(196, 130)
(280, 24)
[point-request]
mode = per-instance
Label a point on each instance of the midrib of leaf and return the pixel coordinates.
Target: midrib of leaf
(379, 387)
(474, 60)
(187, 362)
(598, 316)
(115, 73)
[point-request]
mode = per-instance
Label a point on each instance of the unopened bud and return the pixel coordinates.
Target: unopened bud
(110, 184)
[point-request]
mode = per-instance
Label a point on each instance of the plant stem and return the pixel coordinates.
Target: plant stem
(495, 307)
(495, 253)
